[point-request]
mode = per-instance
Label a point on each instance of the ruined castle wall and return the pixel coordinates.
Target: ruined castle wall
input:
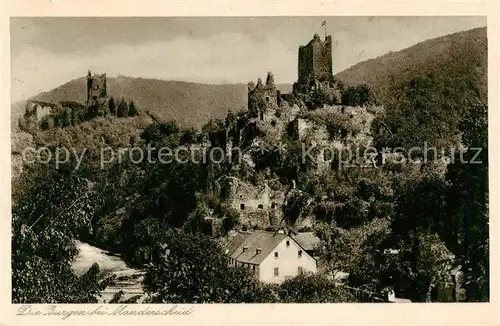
(315, 61)
(251, 197)
(258, 206)
(42, 111)
(96, 89)
(262, 99)
(322, 59)
(305, 64)
(99, 85)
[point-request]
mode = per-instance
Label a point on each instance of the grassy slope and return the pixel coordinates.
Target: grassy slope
(455, 54)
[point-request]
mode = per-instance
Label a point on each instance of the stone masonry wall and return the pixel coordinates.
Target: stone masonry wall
(315, 61)
(96, 88)
(262, 99)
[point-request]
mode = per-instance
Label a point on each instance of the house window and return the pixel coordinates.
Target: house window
(267, 99)
(288, 243)
(273, 205)
(276, 271)
(300, 253)
(242, 206)
(276, 254)
(253, 268)
(260, 206)
(300, 270)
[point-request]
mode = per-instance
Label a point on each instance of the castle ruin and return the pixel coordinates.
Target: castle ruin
(96, 89)
(315, 60)
(315, 68)
(263, 100)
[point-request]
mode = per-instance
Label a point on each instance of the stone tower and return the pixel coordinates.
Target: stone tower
(262, 98)
(96, 89)
(315, 61)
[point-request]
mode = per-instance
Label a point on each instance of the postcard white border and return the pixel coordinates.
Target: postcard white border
(268, 314)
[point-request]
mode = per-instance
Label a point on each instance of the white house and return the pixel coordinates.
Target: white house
(272, 256)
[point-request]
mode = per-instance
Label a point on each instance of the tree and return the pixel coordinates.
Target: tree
(66, 119)
(434, 103)
(467, 203)
(132, 110)
(317, 98)
(189, 136)
(192, 269)
(360, 95)
(344, 250)
(122, 111)
(313, 288)
(450, 213)
(112, 106)
(155, 133)
(47, 215)
(296, 205)
(102, 109)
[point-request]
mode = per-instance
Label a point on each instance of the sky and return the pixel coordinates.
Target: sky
(48, 52)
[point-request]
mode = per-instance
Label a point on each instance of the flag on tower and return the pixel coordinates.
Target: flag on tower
(323, 23)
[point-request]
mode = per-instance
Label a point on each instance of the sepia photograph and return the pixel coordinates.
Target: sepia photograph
(186, 160)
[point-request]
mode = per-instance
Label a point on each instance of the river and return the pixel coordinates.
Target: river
(128, 280)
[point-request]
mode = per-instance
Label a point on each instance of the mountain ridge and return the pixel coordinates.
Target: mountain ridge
(190, 104)
(193, 104)
(458, 53)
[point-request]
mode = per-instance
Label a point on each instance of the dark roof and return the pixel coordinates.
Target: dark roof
(234, 243)
(307, 240)
(266, 241)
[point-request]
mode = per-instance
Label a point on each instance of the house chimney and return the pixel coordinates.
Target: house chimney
(245, 248)
(258, 250)
(281, 231)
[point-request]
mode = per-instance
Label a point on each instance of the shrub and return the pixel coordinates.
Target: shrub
(360, 95)
(317, 98)
(132, 110)
(123, 109)
(192, 269)
(313, 288)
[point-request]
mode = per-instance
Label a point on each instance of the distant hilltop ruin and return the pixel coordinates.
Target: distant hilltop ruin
(45, 115)
(96, 89)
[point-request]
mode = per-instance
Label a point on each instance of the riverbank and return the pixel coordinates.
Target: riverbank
(129, 280)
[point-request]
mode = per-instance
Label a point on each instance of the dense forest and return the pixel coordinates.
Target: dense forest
(431, 216)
